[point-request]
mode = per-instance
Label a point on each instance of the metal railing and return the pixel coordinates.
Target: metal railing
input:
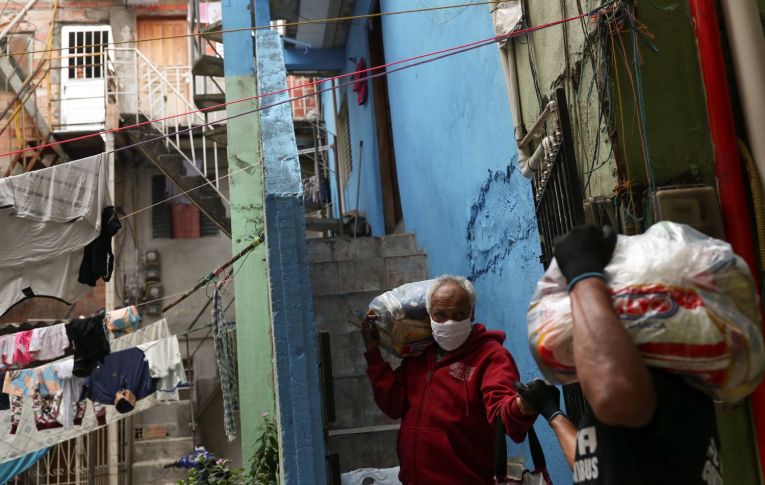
(162, 94)
(81, 461)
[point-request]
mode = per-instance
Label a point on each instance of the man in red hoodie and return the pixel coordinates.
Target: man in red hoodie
(450, 397)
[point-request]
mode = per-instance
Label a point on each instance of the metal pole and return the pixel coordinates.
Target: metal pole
(358, 187)
(191, 379)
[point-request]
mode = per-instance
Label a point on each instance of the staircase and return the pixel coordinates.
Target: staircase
(346, 274)
(177, 143)
(24, 85)
(163, 437)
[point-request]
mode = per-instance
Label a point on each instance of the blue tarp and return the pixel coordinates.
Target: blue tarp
(10, 469)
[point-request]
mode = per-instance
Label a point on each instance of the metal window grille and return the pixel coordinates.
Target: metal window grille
(345, 162)
(558, 199)
(80, 461)
(86, 53)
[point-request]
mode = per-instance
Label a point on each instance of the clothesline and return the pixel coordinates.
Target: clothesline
(256, 28)
(425, 58)
(435, 55)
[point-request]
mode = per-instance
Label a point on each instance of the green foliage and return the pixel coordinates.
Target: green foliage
(264, 468)
(214, 471)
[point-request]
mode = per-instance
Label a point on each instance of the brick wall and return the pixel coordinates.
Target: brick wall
(45, 308)
(301, 107)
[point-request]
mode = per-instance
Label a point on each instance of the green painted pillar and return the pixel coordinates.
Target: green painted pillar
(253, 319)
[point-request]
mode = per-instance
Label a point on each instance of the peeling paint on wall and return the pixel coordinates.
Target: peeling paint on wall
(500, 218)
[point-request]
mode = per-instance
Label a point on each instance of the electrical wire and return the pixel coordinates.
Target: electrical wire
(347, 18)
(445, 53)
(455, 49)
(289, 100)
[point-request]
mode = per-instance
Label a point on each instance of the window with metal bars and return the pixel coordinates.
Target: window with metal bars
(87, 53)
(558, 202)
(344, 152)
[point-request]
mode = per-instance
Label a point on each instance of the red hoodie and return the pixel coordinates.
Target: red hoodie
(448, 407)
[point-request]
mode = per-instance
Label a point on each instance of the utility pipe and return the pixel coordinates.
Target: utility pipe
(747, 44)
(510, 71)
(728, 168)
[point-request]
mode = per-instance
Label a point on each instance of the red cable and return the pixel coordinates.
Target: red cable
(515, 33)
(728, 167)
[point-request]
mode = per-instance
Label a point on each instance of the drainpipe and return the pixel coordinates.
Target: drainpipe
(728, 167)
(747, 44)
(507, 57)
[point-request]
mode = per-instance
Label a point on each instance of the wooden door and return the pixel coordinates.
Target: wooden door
(170, 52)
(170, 55)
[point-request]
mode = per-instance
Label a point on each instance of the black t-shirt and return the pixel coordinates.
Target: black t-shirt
(679, 446)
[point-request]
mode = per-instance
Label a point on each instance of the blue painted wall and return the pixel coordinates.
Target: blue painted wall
(362, 129)
(461, 193)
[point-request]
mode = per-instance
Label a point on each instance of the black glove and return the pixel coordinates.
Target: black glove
(541, 396)
(584, 252)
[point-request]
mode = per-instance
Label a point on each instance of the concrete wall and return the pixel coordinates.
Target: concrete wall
(461, 194)
(183, 263)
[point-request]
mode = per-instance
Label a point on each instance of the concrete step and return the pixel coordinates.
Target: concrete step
(160, 452)
(218, 134)
(149, 473)
(167, 420)
(208, 66)
(213, 32)
(347, 248)
(215, 100)
(373, 274)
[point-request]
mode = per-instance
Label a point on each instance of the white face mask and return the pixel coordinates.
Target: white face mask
(450, 334)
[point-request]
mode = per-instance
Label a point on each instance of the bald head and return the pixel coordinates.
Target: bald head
(450, 298)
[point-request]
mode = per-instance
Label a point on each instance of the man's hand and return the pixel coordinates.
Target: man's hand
(371, 335)
(525, 407)
(584, 251)
(541, 396)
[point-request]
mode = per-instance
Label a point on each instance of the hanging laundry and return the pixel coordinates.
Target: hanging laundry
(123, 379)
(48, 218)
(28, 438)
(43, 386)
(123, 320)
(98, 258)
(149, 333)
(22, 357)
(49, 343)
(90, 343)
(71, 390)
(165, 363)
(224, 354)
(360, 82)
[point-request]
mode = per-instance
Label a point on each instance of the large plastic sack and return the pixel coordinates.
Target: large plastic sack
(688, 301)
(402, 319)
(369, 476)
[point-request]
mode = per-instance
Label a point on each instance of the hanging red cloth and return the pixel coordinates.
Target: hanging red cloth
(360, 81)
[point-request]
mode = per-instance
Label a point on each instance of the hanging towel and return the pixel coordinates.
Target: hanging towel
(224, 354)
(48, 218)
(123, 320)
(49, 343)
(360, 82)
(165, 363)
